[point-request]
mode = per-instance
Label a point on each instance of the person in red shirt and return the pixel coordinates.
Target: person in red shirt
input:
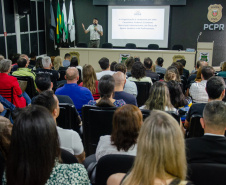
(8, 82)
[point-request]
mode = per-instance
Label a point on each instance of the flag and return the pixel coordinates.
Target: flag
(52, 23)
(71, 23)
(64, 21)
(59, 23)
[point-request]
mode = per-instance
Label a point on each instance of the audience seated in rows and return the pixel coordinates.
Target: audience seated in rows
(138, 73)
(106, 89)
(120, 80)
(159, 98)
(69, 139)
(23, 69)
(215, 88)
(32, 162)
(130, 87)
(158, 66)
(67, 60)
(210, 148)
(127, 121)
(90, 81)
(79, 95)
(157, 136)
(105, 67)
(47, 68)
(16, 58)
(8, 82)
(148, 72)
(198, 89)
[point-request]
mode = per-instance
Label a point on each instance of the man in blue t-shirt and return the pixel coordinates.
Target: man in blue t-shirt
(79, 95)
(120, 80)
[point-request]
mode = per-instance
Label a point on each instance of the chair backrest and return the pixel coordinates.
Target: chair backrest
(107, 45)
(67, 157)
(111, 164)
(177, 47)
(153, 46)
(7, 94)
(207, 173)
(184, 81)
(143, 92)
(97, 121)
(175, 115)
(130, 46)
(195, 129)
(69, 117)
(82, 45)
(30, 90)
(161, 76)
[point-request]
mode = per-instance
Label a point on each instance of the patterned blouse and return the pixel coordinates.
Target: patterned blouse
(65, 174)
(117, 103)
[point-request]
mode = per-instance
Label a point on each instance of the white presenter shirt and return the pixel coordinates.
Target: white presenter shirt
(94, 35)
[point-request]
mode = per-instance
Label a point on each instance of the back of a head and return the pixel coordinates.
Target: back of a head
(148, 63)
(179, 67)
(89, 78)
(67, 56)
(106, 87)
(43, 81)
(112, 67)
(120, 67)
(32, 55)
(72, 74)
(2, 57)
(224, 66)
(214, 87)
(126, 123)
(74, 62)
(15, 58)
(33, 129)
(129, 63)
(207, 72)
(214, 116)
(46, 62)
(38, 63)
(138, 70)
(57, 62)
(104, 63)
(5, 65)
(176, 95)
(182, 61)
(159, 61)
(172, 74)
(21, 62)
(119, 78)
(157, 136)
(159, 97)
(46, 99)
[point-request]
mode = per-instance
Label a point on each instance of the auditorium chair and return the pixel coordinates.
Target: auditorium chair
(161, 76)
(143, 92)
(177, 47)
(97, 121)
(82, 45)
(130, 46)
(153, 46)
(111, 164)
(107, 45)
(30, 89)
(195, 128)
(207, 173)
(69, 117)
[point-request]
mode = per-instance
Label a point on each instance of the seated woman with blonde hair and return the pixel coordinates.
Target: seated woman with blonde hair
(57, 63)
(172, 73)
(159, 160)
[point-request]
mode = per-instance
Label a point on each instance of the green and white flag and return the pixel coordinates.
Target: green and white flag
(64, 19)
(59, 23)
(71, 23)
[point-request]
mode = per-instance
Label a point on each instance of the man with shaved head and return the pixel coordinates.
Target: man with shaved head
(79, 95)
(120, 80)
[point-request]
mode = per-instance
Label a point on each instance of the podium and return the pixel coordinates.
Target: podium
(205, 51)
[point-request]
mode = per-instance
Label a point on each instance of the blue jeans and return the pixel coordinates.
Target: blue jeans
(27, 98)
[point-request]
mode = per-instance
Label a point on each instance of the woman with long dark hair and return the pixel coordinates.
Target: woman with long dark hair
(34, 155)
(106, 89)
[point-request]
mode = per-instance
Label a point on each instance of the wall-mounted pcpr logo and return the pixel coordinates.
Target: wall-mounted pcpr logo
(214, 13)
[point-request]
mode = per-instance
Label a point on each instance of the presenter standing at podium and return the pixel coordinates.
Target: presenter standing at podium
(96, 31)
